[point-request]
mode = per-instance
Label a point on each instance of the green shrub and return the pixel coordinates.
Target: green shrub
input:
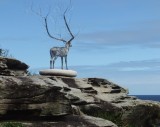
(4, 52)
(115, 117)
(11, 124)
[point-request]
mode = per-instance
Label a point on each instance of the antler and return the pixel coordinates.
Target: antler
(64, 16)
(46, 25)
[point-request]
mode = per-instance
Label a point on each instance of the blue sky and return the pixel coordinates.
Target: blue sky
(118, 39)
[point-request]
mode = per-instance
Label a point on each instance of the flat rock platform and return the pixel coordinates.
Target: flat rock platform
(58, 72)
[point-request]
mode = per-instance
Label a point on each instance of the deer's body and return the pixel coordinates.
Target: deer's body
(56, 52)
(59, 51)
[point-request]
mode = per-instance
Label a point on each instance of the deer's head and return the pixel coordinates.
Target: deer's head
(68, 44)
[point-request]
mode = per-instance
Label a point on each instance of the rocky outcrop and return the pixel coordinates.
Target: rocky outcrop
(104, 99)
(33, 96)
(12, 67)
(56, 101)
(43, 98)
(91, 101)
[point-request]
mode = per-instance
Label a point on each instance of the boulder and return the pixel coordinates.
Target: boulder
(99, 121)
(30, 97)
(58, 72)
(12, 67)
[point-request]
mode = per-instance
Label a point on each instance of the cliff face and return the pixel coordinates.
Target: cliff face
(63, 101)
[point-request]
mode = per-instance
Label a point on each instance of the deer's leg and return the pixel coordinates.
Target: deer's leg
(54, 61)
(51, 63)
(61, 62)
(66, 62)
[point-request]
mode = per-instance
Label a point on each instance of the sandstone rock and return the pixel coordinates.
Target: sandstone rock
(56, 98)
(12, 67)
(99, 121)
(32, 96)
(111, 102)
(15, 64)
(58, 72)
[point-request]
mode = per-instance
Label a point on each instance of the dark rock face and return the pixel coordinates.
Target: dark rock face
(12, 67)
(32, 97)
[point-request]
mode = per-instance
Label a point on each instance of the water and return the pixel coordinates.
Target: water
(149, 97)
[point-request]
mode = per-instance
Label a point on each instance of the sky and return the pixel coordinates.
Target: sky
(118, 40)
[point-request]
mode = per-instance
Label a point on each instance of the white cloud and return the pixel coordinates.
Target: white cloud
(145, 34)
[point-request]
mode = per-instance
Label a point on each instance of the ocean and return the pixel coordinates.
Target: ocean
(149, 97)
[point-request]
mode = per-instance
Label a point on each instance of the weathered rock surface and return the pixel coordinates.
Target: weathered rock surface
(44, 98)
(12, 67)
(64, 99)
(58, 72)
(58, 101)
(33, 96)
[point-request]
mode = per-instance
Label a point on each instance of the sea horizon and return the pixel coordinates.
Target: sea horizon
(148, 97)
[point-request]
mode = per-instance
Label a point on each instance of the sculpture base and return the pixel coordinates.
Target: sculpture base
(58, 72)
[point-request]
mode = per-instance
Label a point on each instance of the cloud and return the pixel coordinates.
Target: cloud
(153, 64)
(141, 33)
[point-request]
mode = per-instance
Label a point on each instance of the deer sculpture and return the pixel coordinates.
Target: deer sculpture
(62, 52)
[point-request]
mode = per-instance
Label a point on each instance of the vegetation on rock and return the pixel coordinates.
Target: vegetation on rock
(11, 124)
(143, 116)
(5, 53)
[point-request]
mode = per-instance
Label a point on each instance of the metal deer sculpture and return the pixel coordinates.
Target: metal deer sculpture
(62, 52)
